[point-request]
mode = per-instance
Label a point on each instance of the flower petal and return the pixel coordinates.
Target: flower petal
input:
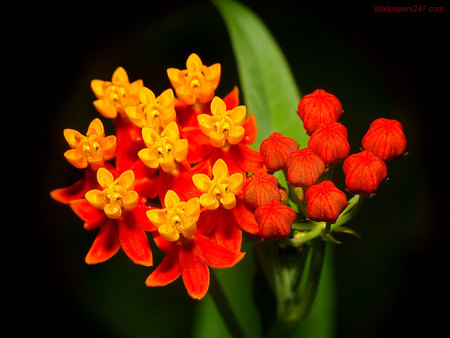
(167, 271)
(194, 271)
(88, 213)
(105, 245)
(134, 240)
(215, 255)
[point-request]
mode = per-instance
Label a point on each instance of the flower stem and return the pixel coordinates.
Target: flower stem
(223, 305)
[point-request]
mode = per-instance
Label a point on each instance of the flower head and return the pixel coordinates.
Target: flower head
(385, 139)
(163, 149)
(117, 194)
(329, 141)
(196, 82)
(92, 149)
(364, 172)
(304, 167)
(275, 219)
(221, 189)
(153, 112)
(115, 95)
(224, 126)
(318, 107)
(276, 149)
(325, 202)
(260, 189)
(177, 218)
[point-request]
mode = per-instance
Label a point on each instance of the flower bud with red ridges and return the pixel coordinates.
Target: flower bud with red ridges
(260, 189)
(325, 202)
(329, 141)
(304, 168)
(385, 139)
(364, 172)
(275, 220)
(318, 107)
(276, 149)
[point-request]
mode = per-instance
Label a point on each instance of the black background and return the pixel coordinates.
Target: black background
(52, 52)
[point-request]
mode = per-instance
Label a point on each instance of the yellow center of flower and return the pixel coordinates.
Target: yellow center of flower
(177, 219)
(224, 126)
(163, 149)
(116, 194)
(221, 189)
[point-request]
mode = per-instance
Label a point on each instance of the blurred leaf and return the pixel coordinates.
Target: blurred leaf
(268, 86)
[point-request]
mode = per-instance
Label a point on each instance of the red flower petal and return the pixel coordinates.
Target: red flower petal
(88, 213)
(251, 130)
(194, 271)
(227, 231)
(215, 255)
(105, 245)
(232, 98)
(134, 240)
(180, 181)
(129, 142)
(78, 189)
(245, 218)
(329, 141)
(250, 160)
(167, 271)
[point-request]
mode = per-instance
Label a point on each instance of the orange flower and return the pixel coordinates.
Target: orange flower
(115, 95)
(188, 253)
(196, 82)
(119, 214)
(92, 149)
(153, 112)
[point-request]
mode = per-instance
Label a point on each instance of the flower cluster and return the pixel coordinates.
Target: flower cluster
(180, 169)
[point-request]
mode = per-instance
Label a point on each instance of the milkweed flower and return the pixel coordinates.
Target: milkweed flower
(163, 149)
(88, 152)
(276, 149)
(115, 95)
(196, 82)
(119, 214)
(364, 172)
(385, 139)
(325, 202)
(153, 112)
(189, 254)
(92, 149)
(226, 215)
(317, 108)
(329, 141)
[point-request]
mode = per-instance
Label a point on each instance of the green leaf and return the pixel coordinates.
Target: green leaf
(268, 86)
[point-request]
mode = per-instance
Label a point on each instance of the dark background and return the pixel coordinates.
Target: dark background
(391, 282)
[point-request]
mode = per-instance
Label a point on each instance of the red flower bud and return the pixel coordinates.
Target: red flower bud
(329, 141)
(304, 167)
(385, 139)
(364, 172)
(325, 202)
(260, 189)
(318, 107)
(275, 220)
(276, 149)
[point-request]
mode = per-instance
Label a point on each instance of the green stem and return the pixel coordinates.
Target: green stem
(223, 305)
